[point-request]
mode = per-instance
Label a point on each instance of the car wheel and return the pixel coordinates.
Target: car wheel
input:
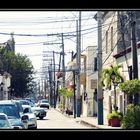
(40, 118)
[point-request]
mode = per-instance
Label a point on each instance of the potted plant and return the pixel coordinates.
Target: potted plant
(114, 119)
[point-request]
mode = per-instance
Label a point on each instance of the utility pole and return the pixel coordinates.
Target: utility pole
(42, 92)
(54, 79)
(39, 88)
(57, 95)
(134, 54)
(99, 89)
(50, 81)
(45, 87)
(63, 60)
(79, 66)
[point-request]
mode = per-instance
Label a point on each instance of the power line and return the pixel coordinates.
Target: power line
(55, 34)
(41, 22)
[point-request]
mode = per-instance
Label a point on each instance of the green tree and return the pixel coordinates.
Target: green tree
(65, 93)
(130, 87)
(21, 70)
(106, 79)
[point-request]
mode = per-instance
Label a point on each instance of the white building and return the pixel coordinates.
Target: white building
(5, 82)
(89, 101)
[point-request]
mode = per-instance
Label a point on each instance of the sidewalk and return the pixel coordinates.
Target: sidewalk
(91, 121)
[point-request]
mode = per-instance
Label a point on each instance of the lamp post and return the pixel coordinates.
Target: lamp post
(115, 84)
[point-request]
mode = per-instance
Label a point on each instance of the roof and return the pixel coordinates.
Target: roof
(7, 102)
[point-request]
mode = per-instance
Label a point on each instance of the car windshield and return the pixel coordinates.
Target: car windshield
(9, 110)
(37, 109)
(28, 110)
(24, 102)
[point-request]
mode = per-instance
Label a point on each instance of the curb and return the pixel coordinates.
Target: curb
(89, 124)
(63, 113)
(96, 126)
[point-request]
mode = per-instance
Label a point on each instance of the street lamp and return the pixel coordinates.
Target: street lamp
(115, 84)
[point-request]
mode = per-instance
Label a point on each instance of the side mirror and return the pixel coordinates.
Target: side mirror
(35, 112)
(24, 118)
(26, 110)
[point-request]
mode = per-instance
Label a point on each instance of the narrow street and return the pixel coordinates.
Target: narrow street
(56, 120)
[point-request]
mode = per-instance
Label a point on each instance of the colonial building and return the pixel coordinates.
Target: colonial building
(116, 49)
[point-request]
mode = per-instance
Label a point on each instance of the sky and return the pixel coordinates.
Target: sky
(31, 30)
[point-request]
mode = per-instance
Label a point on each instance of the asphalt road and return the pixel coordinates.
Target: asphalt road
(56, 120)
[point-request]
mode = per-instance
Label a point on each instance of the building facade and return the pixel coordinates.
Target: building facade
(116, 49)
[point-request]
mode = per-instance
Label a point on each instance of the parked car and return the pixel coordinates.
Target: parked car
(24, 102)
(32, 120)
(10, 109)
(44, 103)
(4, 122)
(30, 100)
(39, 112)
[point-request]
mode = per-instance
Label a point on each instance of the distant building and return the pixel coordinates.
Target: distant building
(88, 66)
(5, 78)
(10, 45)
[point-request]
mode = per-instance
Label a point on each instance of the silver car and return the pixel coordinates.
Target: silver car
(39, 112)
(32, 120)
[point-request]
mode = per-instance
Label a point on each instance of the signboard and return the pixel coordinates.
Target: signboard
(93, 83)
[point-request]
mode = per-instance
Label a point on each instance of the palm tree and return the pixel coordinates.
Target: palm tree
(111, 75)
(106, 76)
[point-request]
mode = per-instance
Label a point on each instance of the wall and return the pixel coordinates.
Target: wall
(89, 105)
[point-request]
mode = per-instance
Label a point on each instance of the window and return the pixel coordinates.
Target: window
(111, 38)
(9, 110)
(106, 41)
(95, 63)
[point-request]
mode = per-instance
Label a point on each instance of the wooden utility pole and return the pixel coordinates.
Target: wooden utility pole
(54, 79)
(50, 82)
(63, 60)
